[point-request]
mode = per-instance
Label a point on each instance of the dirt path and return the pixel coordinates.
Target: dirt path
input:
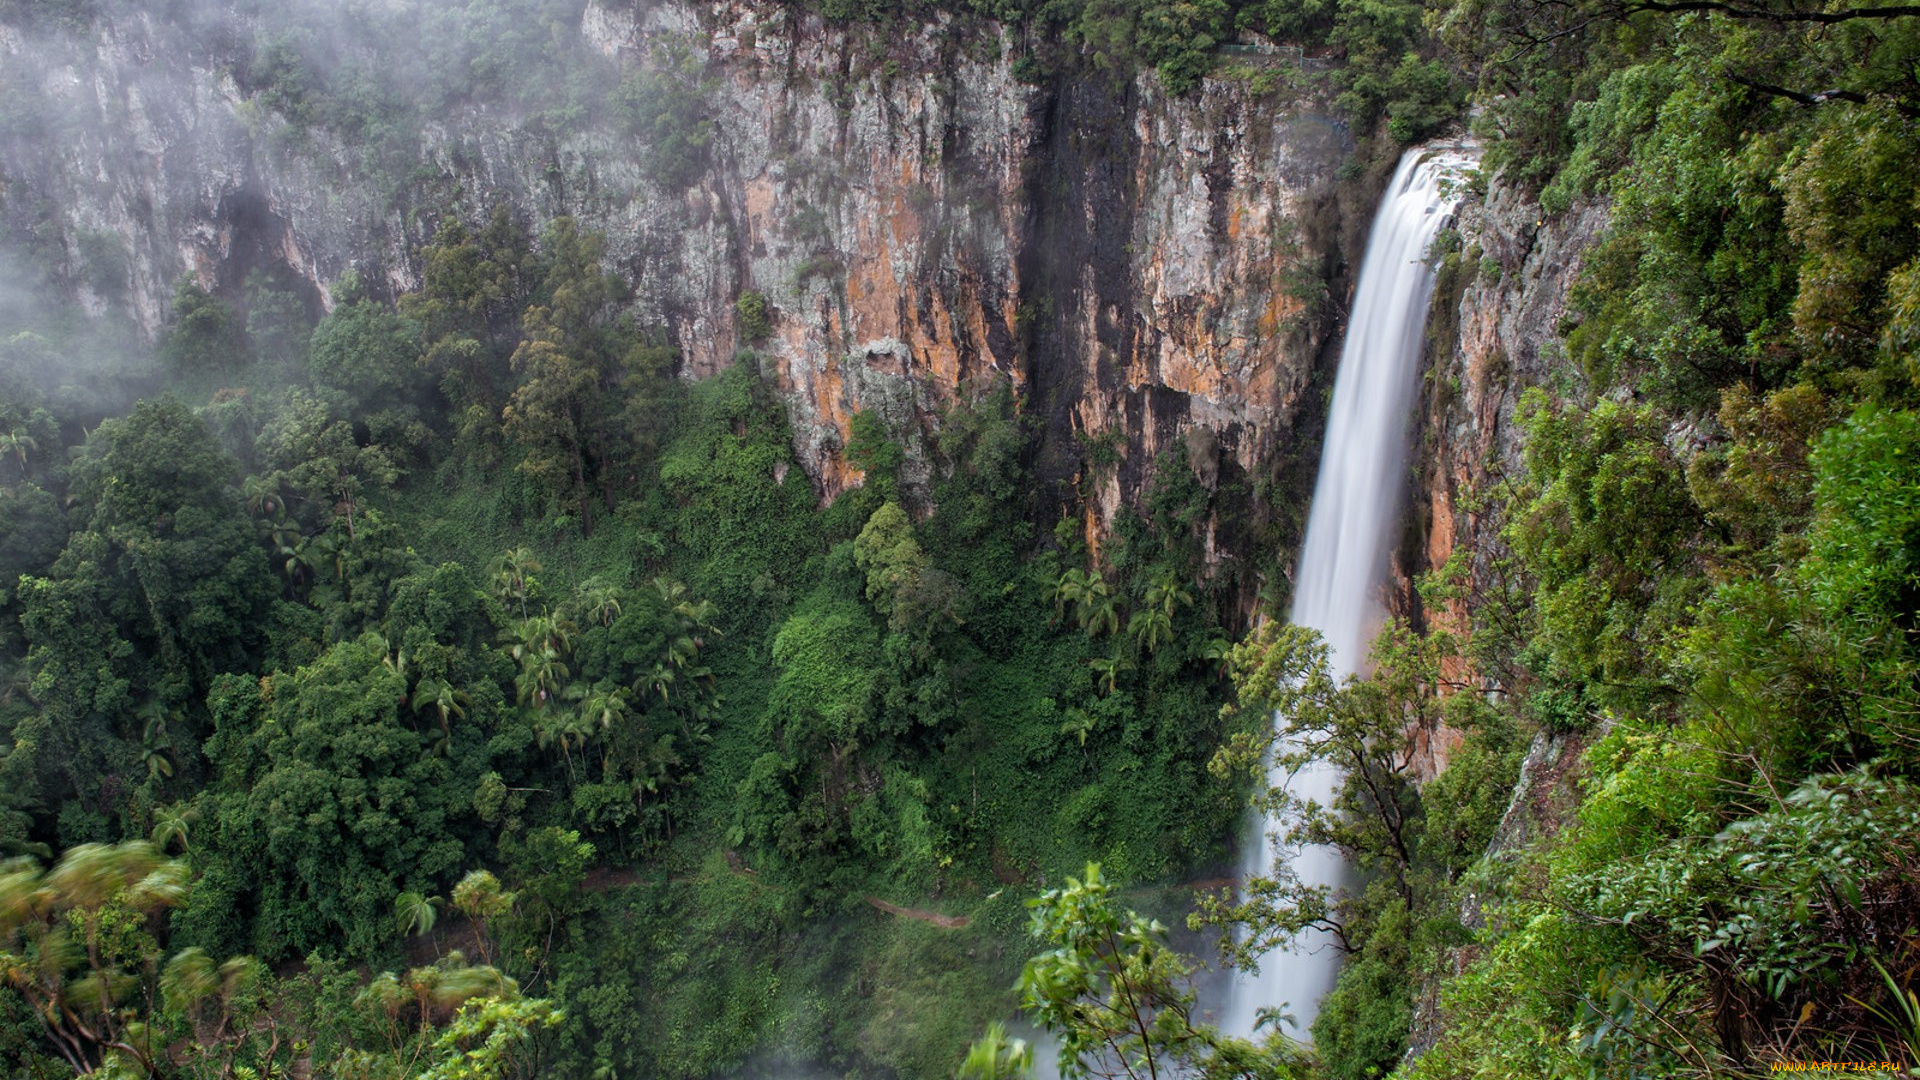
(949, 922)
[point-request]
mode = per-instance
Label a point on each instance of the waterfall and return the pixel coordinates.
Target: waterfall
(1353, 518)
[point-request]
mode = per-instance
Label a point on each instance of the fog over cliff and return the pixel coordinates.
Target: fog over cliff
(1149, 269)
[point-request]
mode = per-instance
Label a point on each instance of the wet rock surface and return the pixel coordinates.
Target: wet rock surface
(1138, 267)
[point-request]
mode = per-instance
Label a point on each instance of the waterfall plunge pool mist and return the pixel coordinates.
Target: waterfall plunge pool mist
(1355, 510)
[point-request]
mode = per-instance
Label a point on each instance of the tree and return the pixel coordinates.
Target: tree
(446, 701)
(161, 588)
(554, 412)
(1069, 591)
(366, 354)
(512, 574)
(1151, 628)
(570, 362)
(405, 1008)
(1095, 607)
(606, 708)
(329, 803)
(888, 554)
(995, 1057)
(540, 645)
(1100, 611)
(205, 339)
(480, 898)
(77, 944)
(1110, 668)
(18, 443)
(493, 1038)
(224, 1007)
(1119, 999)
(416, 913)
(565, 728)
(599, 601)
(321, 461)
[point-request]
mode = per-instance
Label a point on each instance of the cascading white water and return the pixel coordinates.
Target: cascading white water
(1354, 514)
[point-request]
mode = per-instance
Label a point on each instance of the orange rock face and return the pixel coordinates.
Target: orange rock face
(1470, 443)
(918, 220)
(930, 223)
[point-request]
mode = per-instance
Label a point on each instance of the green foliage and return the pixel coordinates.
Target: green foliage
(1108, 986)
(491, 1039)
(754, 321)
(1119, 1000)
(205, 340)
(368, 355)
(75, 943)
(1607, 529)
(828, 661)
(1361, 1030)
(664, 105)
(344, 649)
(871, 448)
(996, 1057)
(340, 803)
(1861, 549)
(158, 591)
(1743, 323)
(316, 459)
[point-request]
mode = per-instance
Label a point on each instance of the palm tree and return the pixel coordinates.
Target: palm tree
(671, 592)
(416, 912)
(659, 680)
(546, 631)
(191, 977)
(135, 873)
(680, 650)
(1100, 610)
(1079, 723)
(395, 660)
(154, 738)
(285, 538)
(996, 1057)
(18, 443)
(607, 708)
(325, 556)
(1217, 649)
(169, 825)
(1152, 628)
(1167, 595)
(263, 497)
(599, 601)
(542, 675)
(446, 702)
(73, 944)
(1069, 591)
(1110, 667)
(566, 727)
(384, 997)
(512, 576)
(451, 983)
(480, 898)
(540, 645)
(695, 616)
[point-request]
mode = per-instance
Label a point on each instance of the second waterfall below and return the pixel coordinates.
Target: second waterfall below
(1355, 509)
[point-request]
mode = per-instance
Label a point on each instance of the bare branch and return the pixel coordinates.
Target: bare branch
(1740, 11)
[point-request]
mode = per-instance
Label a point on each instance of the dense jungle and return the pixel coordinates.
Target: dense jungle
(611, 539)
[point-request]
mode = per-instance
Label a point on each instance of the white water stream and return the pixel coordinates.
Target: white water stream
(1354, 515)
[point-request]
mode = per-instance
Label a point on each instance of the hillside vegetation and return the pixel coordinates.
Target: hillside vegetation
(443, 686)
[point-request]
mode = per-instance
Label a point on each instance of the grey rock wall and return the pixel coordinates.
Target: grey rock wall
(918, 219)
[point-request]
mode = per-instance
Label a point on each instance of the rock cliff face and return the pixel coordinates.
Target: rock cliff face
(1495, 331)
(1140, 268)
